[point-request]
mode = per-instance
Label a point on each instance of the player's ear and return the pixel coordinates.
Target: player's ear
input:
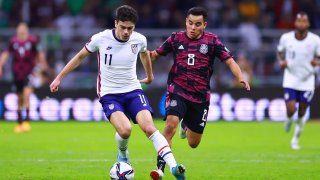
(205, 24)
(115, 23)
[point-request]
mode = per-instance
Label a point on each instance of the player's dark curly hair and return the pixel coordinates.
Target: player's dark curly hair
(126, 13)
(198, 11)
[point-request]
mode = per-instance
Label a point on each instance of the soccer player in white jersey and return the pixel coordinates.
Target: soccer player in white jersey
(118, 88)
(298, 54)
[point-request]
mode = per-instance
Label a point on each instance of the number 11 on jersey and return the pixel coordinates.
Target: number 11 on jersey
(106, 58)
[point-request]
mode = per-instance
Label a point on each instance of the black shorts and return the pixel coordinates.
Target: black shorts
(20, 84)
(194, 115)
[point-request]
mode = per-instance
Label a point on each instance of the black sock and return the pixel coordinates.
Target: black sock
(27, 115)
(19, 117)
(161, 164)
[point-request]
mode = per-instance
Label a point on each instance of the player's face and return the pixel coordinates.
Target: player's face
(22, 31)
(302, 23)
(195, 26)
(124, 29)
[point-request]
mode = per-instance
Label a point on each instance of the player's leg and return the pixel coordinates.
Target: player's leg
(114, 111)
(27, 91)
(290, 97)
(140, 111)
(172, 123)
(195, 121)
(305, 98)
(123, 131)
(19, 91)
(175, 110)
(161, 145)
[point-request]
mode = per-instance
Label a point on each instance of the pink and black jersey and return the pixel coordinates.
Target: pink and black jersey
(191, 71)
(23, 54)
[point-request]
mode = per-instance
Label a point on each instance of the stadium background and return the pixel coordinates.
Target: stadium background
(250, 29)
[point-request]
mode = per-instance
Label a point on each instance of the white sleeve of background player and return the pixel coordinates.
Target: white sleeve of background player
(317, 53)
(144, 45)
(281, 45)
(92, 45)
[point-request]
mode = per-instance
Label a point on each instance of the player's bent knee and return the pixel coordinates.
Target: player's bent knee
(194, 140)
(125, 132)
(170, 130)
(171, 127)
(193, 144)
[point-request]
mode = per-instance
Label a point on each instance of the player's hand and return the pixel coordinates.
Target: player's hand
(313, 63)
(54, 86)
(245, 84)
(147, 80)
(283, 64)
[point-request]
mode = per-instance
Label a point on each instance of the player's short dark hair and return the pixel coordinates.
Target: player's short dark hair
(302, 13)
(126, 13)
(198, 11)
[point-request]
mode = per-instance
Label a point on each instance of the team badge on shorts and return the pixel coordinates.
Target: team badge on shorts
(111, 106)
(134, 48)
(203, 48)
(286, 96)
(173, 103)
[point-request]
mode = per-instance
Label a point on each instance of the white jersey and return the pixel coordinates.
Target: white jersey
(117, 61)
(300, 74)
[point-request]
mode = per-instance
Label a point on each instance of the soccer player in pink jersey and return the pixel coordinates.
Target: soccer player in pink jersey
(188, 85)
(25, 52)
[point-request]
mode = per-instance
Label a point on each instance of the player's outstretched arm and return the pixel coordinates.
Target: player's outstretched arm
(3, 59)
(72, 64)
(236, 71)
(147, 65)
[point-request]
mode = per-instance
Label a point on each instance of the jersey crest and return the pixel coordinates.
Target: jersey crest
(203, 48)
(134, 48)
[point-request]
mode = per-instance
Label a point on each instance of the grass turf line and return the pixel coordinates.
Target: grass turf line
(229, 150)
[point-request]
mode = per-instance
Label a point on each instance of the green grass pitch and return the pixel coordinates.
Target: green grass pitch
(229, 150)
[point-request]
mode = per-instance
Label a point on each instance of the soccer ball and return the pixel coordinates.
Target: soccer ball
(122, 171)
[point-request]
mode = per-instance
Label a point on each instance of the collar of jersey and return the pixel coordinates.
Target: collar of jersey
(114, 35)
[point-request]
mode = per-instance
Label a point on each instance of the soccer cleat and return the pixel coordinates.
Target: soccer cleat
(179, 172)
(295, 144)
(123, 159)
(26, 126)
(182, 130)
(156, 174)
(287, 125)
(19, 129)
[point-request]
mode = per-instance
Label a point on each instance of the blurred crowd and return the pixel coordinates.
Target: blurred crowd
(156, 13)
(245, 18)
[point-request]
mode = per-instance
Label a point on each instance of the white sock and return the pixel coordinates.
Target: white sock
(122, 145)
(161, 145)
(298, 129)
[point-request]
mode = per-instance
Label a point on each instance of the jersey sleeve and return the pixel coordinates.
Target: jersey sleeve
(221, 51)
(92, 44)
(166, 47)
(143, 45)
(317, 53)
(281, 45)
